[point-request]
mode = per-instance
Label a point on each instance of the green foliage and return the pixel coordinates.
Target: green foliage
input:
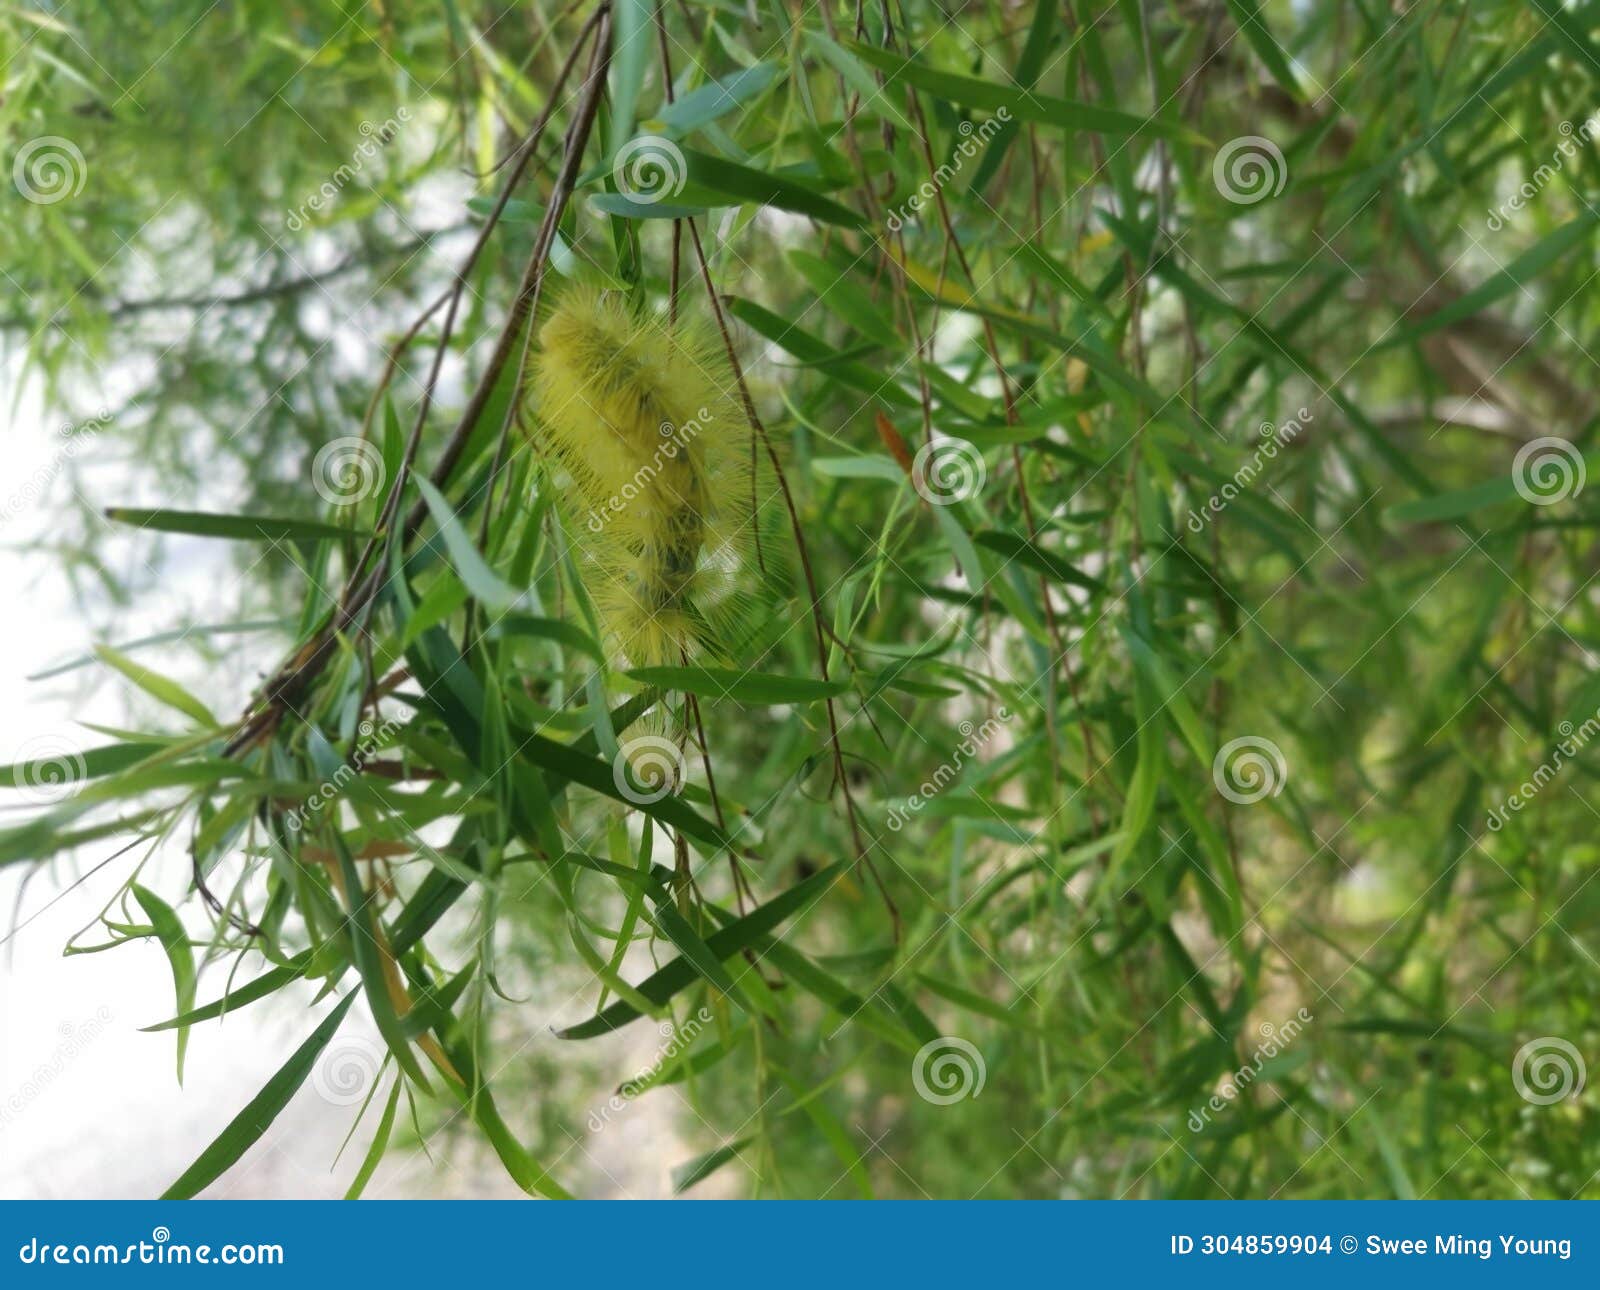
(1170, 592)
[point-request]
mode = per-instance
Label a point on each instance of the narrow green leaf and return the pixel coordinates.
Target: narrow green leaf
(866, 466)
(157, 686)
(850, 301)
(730, 940)
(700, 1168)
(1451, 505)
(1025, 105)
(239, 528)
(380, 1143)
(269, 982)
(175, 940)
(1016, 547)
(1041, 38)
(676, 929)
(481, 580)
(368, 951)
(1247, 14)
(975, 1003)
(553, 629)
(764, 189)
(260, 1112)
(741, 687)
(632, 44)
(867, 1012)
(92, 763)
(1521, 271)
(623, 206)
(714, 99)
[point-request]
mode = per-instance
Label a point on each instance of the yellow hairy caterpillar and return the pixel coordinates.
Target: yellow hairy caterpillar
(643, 418)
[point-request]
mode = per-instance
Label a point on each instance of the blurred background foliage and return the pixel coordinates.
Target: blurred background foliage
(1028, 238)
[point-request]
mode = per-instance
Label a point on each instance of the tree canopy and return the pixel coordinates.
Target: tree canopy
(1138, 745)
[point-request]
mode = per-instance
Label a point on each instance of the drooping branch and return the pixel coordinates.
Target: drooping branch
(361, 590)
